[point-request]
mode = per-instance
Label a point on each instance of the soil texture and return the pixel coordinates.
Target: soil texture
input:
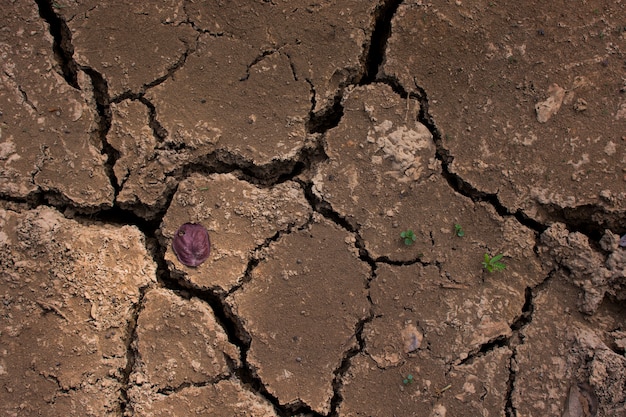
(415, 208)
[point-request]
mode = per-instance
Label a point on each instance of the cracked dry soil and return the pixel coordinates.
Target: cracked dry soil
(306, 136)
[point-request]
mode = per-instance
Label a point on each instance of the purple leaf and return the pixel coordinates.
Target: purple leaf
(622, 241)
(191, 244)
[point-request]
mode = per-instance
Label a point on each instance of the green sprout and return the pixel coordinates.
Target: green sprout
(459, 230)
(408, 380)
(408, 236)
(493, 264)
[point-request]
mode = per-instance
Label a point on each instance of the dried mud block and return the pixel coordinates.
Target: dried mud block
(324, 40)
(131, 137)
(143, 172)
(131, 44)
(476, 388)
(48, 138)
(383, 178)
(68, 297)
(453, 322)
(482, 90)
(227, 398)
(207, 109)
(594, 273)
(239, 217)
(301, 308)
(179, 342)
(563, 368)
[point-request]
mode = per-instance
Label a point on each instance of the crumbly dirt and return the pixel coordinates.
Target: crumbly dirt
(308, 138)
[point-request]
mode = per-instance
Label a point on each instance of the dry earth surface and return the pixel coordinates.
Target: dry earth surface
(306, 136)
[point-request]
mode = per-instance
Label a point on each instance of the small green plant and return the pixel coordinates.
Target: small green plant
(408, 236)
(458, 230)
(493, 264)
(408, 380)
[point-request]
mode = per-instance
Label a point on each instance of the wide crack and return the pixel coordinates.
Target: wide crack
(375, 54)
(62, 42)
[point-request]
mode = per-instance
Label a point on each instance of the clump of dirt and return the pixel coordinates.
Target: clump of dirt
(596, 274)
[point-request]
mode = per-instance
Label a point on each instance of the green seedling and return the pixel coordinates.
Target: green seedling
(408, 380)
(493, 264)
(408, 236)
(459, 230)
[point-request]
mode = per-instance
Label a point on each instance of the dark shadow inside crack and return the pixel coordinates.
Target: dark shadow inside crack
(158, 131)
(327, 118)
(104, 117)
(64, 54)
(62, 42)
(375, 54)
(590, 220)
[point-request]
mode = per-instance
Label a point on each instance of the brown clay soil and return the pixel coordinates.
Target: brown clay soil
(307, 136)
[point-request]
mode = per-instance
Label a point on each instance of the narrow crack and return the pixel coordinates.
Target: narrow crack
(589, 220)
(325, 209)
(158, 131)
(104, 118)
(169, 73)
(172, 69)
(346, 362)
(25, 98)
(256, 60)
(131, 354)
(517, 339)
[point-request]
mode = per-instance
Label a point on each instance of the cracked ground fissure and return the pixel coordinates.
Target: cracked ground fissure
(230, 322)
(305, 162)
(318, 123)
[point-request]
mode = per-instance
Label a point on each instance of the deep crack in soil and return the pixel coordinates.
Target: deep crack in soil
(300, 168)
